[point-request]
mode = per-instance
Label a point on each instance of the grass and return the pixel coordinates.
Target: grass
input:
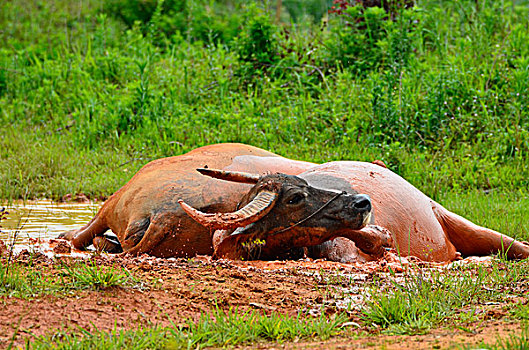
(513, 341)
(419, 300)
(218, 328)
(422, 302)
(413, 302)
(150, 338)
(92, 276)
(15, 282)
(23, 277)
(232, 327)
(86, 99)
(28, 280)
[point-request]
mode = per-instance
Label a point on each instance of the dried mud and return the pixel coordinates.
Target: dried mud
(172, 291)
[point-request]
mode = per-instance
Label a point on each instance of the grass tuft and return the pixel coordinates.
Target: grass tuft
(94, 276)
(420, 300)
(28, 280)
(141, 338)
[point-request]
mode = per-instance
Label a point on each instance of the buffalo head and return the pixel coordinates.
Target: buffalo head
(282, 212)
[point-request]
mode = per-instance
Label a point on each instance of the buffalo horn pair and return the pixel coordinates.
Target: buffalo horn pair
(251, 212)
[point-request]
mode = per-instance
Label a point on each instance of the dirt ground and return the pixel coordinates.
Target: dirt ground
(174, 290)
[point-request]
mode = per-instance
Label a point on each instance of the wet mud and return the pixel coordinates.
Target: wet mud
(172, 291)
(169, 292)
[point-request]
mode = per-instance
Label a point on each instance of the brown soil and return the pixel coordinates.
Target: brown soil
(174, 290)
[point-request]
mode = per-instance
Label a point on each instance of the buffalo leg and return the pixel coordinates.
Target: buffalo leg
(471, 239)
(154, 234)
(84, 236)
(107, 244)
(372, 239)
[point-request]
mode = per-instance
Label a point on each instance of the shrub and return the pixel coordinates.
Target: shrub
(365, 38)
(299, 10)
(206, 21)
(257, 47)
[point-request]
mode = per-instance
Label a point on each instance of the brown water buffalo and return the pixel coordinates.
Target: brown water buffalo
(145, 216)
(418, 225)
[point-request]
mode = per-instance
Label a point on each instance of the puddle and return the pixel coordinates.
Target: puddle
(43, 219)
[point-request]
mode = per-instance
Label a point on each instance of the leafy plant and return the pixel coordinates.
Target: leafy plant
(300, 10)
(257, 47)
(174, 20)
(365, 38)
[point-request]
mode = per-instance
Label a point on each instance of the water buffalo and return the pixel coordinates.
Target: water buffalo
(419, 226)
(144, 213)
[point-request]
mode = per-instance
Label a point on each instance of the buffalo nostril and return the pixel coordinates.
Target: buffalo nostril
(362, 203)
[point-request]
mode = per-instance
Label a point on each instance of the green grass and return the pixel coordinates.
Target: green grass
(142, 338)
(520, 312)
(28, 280)
(87, 98)
(217, 328)
(232, 327)
(513, 341)
(419, 300)
(422, 302)
(92, 276)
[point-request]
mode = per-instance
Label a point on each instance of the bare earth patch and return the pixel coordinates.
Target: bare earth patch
(171, 291)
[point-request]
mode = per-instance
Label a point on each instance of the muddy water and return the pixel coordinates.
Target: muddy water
(43, 219)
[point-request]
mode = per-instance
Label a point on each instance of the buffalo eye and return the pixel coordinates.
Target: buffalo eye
(295, 199)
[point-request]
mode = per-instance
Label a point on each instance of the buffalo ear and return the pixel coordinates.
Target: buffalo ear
(234, 176)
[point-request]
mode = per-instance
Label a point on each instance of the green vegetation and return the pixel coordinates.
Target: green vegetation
(142, 338)
(420, 300)
(412, 302)
(218, 328)
(231, 327)
(28, 280)
(513, 341)
(90, 275)
(423, 298)
(92, 90)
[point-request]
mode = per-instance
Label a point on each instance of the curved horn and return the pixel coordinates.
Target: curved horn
(253, 211)
(235, 176)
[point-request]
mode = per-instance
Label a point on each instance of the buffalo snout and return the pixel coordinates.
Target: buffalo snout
(352, 211)
(362, 203)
